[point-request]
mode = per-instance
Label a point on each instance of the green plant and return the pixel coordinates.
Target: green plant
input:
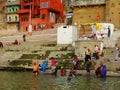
(19, 62)
(9, 50)
(34, 51)
(29, 56)
(12, 50)
(47, 53)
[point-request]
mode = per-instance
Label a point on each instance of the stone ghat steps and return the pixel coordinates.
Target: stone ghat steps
(118, 41)
(43, 35)
(113, 65)
(30, 46)
(15, 51)
(110, 42)
(109, 53)
(40, 38)
(47, 31)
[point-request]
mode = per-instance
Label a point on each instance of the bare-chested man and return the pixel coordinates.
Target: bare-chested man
(35, 68)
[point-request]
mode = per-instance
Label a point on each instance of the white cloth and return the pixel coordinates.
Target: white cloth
(116, 54)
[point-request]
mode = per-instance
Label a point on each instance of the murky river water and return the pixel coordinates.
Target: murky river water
(26, 81)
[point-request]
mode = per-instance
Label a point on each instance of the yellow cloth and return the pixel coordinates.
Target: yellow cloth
(98, 26)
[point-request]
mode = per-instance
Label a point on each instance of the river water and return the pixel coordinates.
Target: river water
(26, 81)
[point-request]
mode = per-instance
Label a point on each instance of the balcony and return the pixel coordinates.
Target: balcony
(17, 2)
(6, 12)
(88, 2)
(13, 21)
(23, 11)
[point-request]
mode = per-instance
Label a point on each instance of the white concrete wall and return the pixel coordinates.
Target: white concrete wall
(66, 35)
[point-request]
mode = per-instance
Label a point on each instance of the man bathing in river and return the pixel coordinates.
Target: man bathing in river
(35, 68)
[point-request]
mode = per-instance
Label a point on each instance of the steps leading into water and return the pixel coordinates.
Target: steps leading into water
(110, 42)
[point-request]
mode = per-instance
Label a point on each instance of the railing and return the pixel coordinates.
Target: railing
(17, 2)
(87, 2)
(6, 12)
(12, 21)
(23, 11)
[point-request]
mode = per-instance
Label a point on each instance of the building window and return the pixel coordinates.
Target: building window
(9, 19)
(15, 18)
(46, 4)
(26, 7)
(52, 16)
(24, 19)
(43, 16)
(25, 1)
(16, 9)
(42, 5)
(31, 0)
(9, 10)
(11, 0)
(13, 9)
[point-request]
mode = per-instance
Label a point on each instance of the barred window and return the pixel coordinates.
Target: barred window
(42, 5)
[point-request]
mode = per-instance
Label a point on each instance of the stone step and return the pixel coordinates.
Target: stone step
(110, 42)
(114, 65)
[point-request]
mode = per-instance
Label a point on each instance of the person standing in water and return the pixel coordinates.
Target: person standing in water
(35, 68)
(53, 65)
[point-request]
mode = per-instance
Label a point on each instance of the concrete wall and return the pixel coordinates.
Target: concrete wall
(88, 14)
(82, 45)
(112, 12)
(2, 21)
(109, 12)
(11, 26)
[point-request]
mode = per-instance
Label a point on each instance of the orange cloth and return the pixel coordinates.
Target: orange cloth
(99, 17)
(83, 31)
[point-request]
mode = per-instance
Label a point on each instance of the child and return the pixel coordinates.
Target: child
(63, 71)
(75, 62)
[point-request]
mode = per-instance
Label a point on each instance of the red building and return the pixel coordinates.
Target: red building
(40, 13)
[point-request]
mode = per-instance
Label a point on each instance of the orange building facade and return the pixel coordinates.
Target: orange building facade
(41, 14)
